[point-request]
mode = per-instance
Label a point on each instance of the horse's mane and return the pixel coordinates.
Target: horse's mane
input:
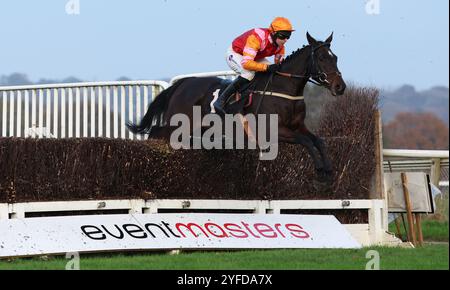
(294, 54)
(297, 52)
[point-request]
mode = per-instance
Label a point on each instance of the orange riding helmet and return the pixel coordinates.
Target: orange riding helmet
(281, 24)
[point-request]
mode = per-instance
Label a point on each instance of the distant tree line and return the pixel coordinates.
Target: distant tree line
(416, 131)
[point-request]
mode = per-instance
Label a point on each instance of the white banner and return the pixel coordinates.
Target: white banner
(59, 235)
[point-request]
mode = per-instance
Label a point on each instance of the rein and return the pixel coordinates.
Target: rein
(269, 81)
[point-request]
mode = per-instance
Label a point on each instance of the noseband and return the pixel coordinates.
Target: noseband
(317, 76)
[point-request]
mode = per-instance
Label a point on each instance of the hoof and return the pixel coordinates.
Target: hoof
(322, 187)
(324, 176)
(324, 181)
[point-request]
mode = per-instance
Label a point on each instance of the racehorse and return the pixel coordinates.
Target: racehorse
(277, 93)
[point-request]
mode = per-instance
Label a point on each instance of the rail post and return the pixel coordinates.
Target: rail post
(435, 171)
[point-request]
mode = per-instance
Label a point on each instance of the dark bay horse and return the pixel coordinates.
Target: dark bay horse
(314, 62)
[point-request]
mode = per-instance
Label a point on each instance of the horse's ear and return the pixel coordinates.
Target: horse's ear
(311, 40)
(330, 39)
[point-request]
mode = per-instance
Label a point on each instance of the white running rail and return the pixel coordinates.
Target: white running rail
(430, 161)
(94, 109)
(221, 74)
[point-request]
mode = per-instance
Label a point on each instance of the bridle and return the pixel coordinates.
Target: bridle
(316, 74)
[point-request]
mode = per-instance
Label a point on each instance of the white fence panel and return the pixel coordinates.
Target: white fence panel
(368, 234)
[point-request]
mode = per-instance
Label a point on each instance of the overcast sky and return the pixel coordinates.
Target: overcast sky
(379, 42)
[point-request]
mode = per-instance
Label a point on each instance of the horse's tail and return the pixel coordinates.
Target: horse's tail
(155, 110)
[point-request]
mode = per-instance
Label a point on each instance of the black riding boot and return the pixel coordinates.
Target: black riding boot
(235, 86)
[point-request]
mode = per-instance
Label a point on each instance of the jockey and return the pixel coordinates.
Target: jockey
(248, 53)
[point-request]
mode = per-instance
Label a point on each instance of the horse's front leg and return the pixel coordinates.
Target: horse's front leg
(288, 136)
(319, 143)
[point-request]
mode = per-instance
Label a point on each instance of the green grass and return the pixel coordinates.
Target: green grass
(428, 257)
(433, 230)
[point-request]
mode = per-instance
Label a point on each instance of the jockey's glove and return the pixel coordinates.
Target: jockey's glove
(273, 68)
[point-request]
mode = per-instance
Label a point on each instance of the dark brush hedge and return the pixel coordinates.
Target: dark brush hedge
(84, 169)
